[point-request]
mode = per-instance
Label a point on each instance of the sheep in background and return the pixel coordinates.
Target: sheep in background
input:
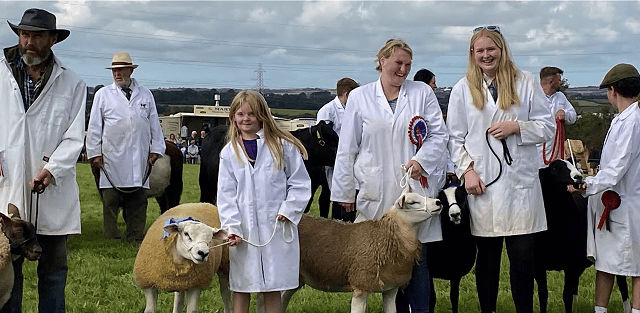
(183, 261)
(366, 257)
(455, 255)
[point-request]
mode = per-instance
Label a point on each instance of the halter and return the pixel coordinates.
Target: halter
(15, 246)
(146, 177)
(404, 182)
(507, 156)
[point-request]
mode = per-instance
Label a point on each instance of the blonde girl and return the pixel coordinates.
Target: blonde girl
(496, 102)
(263, 188)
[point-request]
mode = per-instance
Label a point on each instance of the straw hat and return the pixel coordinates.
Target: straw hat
(121, 59)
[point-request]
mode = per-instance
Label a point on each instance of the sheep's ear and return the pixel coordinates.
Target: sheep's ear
(219, 234)
(172, 228)
(7, 223)
(407, 189)
(400, 202)
(13, 211)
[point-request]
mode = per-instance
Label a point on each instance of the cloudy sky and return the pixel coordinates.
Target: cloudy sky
(212, 44)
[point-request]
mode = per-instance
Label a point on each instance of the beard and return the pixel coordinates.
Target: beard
(125, 83)
(31, 60)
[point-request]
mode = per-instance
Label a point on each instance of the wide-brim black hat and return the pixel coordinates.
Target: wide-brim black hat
(37, 20)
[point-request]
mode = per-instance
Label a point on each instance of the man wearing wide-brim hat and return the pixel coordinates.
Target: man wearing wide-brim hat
(41, 135)
(124, 139)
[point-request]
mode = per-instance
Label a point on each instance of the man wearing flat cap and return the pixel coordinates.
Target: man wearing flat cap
(124, 139)
(41, 135)
(613, 242)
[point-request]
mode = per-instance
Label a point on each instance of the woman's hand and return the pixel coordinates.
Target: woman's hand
(502, 130)
(575, 191)
(473, 184)
(416, 169)
(234, 240)
(282, 218)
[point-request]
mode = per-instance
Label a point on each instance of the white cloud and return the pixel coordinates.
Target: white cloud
(559, 8)
(633, 24)
(321, 13)
(278, 52)
(73, 14)
(602, 10)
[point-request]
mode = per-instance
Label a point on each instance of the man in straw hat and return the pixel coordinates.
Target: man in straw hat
(41, 135)
(124, 139)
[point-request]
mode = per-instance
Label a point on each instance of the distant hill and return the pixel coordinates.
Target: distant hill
(303, 100)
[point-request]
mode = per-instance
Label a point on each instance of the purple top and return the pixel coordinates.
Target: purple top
(252, 150)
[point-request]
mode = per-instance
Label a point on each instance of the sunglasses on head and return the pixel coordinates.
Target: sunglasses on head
(491, 28)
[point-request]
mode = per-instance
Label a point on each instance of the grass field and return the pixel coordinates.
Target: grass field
(101, 272)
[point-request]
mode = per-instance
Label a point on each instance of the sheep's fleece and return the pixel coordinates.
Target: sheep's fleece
(5, 252)
(154, 267)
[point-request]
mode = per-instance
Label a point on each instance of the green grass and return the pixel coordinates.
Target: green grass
(101, 272)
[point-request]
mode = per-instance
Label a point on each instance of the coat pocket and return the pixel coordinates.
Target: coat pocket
(370, 180)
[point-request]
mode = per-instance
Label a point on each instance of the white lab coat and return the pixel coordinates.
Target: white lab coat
(124, 132)
(374, 144)
(332, 111)
(558, 101)
(617, 251)
(249, 200)
(513, 205)
(50, 135)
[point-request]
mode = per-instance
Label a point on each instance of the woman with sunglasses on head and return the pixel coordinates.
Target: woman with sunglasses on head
(497, 114)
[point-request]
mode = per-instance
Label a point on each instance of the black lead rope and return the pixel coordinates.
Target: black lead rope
(146, 176)
(35, 221)
(507, 156)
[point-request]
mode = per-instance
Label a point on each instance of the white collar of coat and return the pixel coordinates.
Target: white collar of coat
(380, 91)
(260, 133)
(338, 104)
(627, 112)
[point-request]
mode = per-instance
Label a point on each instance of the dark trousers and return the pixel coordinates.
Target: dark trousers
(52, 277)
(339, 213)
(134, 213)
(416, 294)
(521, 273)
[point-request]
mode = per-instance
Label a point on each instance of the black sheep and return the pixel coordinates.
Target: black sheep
(563, 246)
(455, 255)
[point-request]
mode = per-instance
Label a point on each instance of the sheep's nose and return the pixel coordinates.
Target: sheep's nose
(455, 216)
(438, 203)
(203, 254)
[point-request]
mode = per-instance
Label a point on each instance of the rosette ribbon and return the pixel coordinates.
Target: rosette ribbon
(611, 201)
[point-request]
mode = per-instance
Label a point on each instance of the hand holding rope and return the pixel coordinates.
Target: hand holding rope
(275, 227)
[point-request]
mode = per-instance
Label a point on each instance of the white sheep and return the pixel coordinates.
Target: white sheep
(185, 260)
(366, 257)
(6, 270)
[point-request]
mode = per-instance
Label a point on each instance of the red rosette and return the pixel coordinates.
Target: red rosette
(417, 130)
(611, 201)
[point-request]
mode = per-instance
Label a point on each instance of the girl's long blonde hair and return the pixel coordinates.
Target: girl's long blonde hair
(272, 134)
(506, 74)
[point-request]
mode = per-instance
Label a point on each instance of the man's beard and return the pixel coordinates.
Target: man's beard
(125, 83)
(31, 60)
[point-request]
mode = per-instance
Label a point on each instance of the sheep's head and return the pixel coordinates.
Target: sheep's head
(415, 208)
(194, 239)
(454, 198)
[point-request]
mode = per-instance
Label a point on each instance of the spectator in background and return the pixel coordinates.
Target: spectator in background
(192, 153)
(427, 77)
(333, 112)
(194, 137)
(561, 108)
(172, 138)
(184, 131)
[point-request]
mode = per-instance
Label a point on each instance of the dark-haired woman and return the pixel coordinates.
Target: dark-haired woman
(495, 106)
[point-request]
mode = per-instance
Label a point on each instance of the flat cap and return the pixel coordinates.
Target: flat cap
(618, 72)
